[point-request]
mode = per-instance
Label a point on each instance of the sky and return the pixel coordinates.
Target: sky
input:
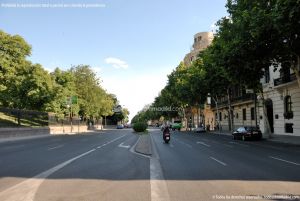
(132, 45)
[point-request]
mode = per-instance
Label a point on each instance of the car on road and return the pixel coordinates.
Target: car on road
(247, 132)
(177, 125)
(200, 129)
(127, 125)
(120, 126)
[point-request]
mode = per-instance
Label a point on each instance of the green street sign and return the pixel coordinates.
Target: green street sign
(74, 99)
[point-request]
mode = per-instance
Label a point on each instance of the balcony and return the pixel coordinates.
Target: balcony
(236, 99)
(285, 79)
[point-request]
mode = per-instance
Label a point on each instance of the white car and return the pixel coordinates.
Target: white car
(200, 129)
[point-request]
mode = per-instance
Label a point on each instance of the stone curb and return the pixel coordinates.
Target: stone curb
(143, 145)
(29, 137)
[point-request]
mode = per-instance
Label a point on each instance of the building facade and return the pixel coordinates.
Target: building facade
(195, 116)
(243, 110)
(282, 102)
(201, 41)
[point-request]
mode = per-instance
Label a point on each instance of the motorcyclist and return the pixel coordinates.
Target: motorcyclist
(166, 130)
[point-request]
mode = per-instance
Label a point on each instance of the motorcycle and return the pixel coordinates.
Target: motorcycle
(167, 137)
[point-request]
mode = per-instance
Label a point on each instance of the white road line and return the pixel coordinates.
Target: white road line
(27, 189)
(158, 185)
(124, 146)
(59, 146)
(203, 143)
(188, 145)
(284, 160)
(222, 163)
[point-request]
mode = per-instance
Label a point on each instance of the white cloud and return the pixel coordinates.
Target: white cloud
(116, 63)
(50, 70)
(97, 69)
(213, 27)
(50, 67)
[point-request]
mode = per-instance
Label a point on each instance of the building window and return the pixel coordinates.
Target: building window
(252, 114)
(267, 74)
(244, 114)
(220, 115)
(289, 128)
(288, 113)
(285, 73)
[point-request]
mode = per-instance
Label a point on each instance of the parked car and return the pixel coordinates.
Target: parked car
(127, 126)
(120, 126)
(247, 132)
(200, 129)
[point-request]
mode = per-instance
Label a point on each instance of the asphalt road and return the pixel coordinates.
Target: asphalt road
(104, 166)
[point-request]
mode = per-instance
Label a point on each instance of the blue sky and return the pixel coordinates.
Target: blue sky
(131, 44)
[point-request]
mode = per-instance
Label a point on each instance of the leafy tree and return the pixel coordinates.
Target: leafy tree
(88, 90)
(64, 88)
(13, 53)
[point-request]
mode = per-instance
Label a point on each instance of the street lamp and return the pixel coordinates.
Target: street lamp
(70, 116)
(209, 97)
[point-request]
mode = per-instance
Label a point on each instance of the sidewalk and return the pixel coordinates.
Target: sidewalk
(282, 139)
(285, 139)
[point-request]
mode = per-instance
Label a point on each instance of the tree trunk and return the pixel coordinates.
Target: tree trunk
(229, 111)
(184, 118)
(19, 117)
(295, 69)
(266, 119)
(198, 117)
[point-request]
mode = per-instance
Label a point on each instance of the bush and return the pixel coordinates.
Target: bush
(140, 127)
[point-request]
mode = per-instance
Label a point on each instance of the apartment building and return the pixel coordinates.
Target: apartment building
(195, 116)
(282, 102)
(243, 110)
(201, 41)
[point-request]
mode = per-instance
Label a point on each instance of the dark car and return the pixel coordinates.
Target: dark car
(120, 126)
(200, 129)
(247, 132)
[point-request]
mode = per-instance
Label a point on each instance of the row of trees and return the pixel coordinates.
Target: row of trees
(255, 35)
(24, 85)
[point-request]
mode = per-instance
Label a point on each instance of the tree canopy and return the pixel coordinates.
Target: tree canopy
(24, 85)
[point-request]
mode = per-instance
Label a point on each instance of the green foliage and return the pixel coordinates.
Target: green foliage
(24, 85)
(64, 87)
(140, 127)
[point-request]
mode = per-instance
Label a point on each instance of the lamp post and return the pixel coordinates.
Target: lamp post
(70, 116)
(209, 97)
